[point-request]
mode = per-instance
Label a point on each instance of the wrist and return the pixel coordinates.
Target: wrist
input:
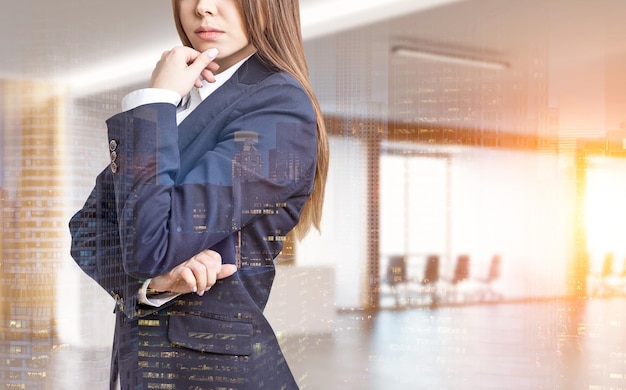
(151, 288)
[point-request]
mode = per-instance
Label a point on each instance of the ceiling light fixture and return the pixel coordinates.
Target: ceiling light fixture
(449, 58)
(326, 17)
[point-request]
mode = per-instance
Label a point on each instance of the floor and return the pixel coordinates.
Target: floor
(556, 344)
(543, 345)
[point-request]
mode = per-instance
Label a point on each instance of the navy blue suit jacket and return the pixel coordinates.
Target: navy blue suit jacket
(233, 177)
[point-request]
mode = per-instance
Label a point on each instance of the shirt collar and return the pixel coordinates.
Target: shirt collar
(220, 78)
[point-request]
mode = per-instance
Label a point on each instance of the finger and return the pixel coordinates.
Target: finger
(226, 271)
(213, 67)
(213, 263)
(188, 278)
(184, 53)
(172, 71)
(180, 55)
(209, 256)
(209, 72)
(208, 75)
(212, 274)
(203, 60)
(199, 270)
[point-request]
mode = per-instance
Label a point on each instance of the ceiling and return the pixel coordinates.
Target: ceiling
(579, 43)
(565, 63)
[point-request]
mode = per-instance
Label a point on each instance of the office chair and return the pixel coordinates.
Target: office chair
(459, 278)
(397, 277)
(461, 270)
(488, 291)
(427, 287)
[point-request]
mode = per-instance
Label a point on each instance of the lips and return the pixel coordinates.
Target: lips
(208, 33)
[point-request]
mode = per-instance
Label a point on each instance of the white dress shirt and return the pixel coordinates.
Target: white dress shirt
(186, 105)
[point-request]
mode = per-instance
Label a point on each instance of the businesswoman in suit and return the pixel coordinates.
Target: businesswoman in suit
(211, 167)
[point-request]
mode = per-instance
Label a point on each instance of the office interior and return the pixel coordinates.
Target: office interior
(474, 223)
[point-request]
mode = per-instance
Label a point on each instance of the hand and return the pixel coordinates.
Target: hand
(197, 274)
(180, 69)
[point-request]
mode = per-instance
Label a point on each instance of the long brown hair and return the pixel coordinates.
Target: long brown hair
(273, 28)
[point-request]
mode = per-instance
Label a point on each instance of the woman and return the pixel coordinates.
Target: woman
(210, 168)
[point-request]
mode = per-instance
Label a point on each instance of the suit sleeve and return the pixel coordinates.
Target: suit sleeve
(95, 245)
(261, 163)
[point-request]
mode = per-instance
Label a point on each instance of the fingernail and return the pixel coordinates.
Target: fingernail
(212, 53)
(195, 288)
(207, 289)
(201, 293)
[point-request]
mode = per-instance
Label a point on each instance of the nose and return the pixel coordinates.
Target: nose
(206, 7)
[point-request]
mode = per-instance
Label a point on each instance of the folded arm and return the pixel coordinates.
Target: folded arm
(167, 215)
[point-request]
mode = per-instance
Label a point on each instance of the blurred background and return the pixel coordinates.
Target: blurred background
(473, 231)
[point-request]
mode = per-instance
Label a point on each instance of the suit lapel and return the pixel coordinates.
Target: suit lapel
(218, 103)
(215, 104)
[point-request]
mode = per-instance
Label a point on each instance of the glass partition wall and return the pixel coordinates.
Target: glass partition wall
(507, 215)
